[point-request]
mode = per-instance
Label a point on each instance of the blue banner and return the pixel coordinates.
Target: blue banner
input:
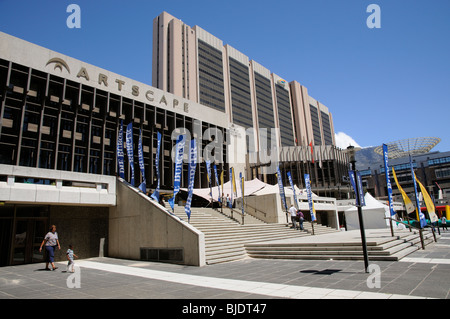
(143, 186)
(231, 186)
(361, 189)
(388, 179)
(120, 154)
(129, 141)
(217, 182)
(192, 167)
(281, 187)
(421, 216)
(310, 201)
(155, 194)
(242, 190)
(178, 168)
(359, 192)
(208, 170)
(293, 189)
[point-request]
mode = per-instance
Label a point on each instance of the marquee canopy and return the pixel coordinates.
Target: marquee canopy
(254, 187)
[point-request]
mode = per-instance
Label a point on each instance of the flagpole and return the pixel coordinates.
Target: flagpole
(351, 151)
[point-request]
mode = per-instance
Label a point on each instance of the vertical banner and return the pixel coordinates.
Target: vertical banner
(408, 204)
(129, 140)
(178, 168)
(208, 171)
(143, 186)
(360, 188)
(231, 186)
(221, 185)
(242, 190)
(388, 180)
(428, 203)
(155, 194)
(192, 167)
(217, 183)
(120, 154)
(281, 188)
(312, 152)
(310, 201)
(234, 182)
(359, 192)
(293, 189)
(420, 216)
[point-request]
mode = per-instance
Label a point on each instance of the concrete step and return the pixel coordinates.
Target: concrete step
(225, 238)
(393, 249)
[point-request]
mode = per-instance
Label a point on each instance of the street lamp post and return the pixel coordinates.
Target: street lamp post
(351, 152)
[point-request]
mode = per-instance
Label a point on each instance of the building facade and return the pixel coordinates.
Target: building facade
(60, 120)
(61, 113)
(431, 169)
(196, 65)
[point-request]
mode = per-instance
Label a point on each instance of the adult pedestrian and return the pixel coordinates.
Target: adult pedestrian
(293, 212)
(50, 241)
(300, 218)
(444, 222)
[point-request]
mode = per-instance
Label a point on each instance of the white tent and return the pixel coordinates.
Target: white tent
(373, 214)
(272, 189)
(253, 187)
(250, 187)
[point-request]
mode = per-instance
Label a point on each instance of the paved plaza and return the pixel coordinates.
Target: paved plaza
(422, 274)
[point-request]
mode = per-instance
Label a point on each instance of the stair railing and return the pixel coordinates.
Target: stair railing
(411, 227)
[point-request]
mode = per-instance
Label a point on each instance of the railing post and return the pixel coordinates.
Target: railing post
(434, 234)
(392, 228)
(421, 239)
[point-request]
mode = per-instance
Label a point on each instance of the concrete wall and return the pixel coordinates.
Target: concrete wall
(82, 227)
(269, 208)
(266, 207)
(93, 190)
(138, 222)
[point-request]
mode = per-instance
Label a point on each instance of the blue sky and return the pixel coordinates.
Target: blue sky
(381, 85)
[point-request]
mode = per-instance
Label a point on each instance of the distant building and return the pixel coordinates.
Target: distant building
(194, 64)
(432, 169)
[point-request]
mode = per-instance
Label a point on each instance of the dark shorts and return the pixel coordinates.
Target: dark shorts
(50, 253)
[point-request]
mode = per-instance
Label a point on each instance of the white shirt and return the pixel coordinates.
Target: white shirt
(293, 211)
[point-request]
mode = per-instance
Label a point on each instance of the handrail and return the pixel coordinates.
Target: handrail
(399, 221)
(239, 211)
(232, 210)
(411, 226)
(256, 210)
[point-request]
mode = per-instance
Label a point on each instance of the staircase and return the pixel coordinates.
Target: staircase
(390, 249)
(226, 238)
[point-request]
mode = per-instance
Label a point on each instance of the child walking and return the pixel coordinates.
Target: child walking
(70, 256)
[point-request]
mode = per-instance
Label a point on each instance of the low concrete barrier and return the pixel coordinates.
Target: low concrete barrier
(141, 229)
(28, 185)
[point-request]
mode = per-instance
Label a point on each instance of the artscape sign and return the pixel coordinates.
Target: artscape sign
(104, 80)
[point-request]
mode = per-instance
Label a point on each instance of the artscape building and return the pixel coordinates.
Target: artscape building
(60, 120)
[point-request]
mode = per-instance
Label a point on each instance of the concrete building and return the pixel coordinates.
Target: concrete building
(197, 65)
(59, 123)
(432, 169)
(275, 114)
(60, 120)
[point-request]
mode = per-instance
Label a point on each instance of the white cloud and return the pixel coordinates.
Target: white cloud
(343, 140)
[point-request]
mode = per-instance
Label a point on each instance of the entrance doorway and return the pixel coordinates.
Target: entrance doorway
(22, 229)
